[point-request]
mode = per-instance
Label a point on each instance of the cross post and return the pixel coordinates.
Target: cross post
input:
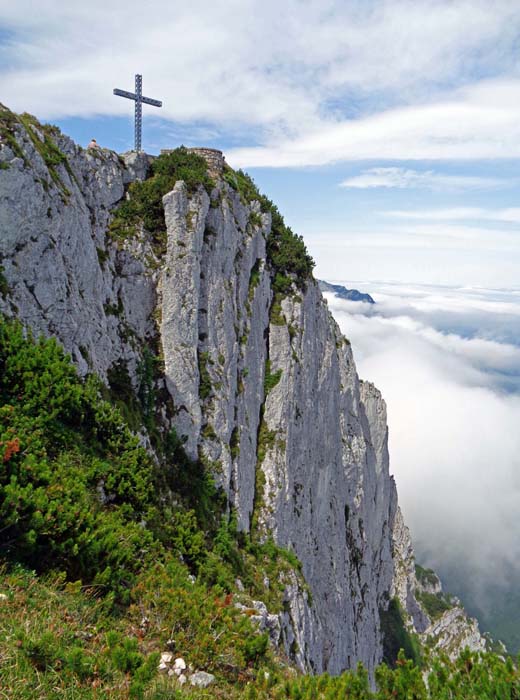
(139, 101)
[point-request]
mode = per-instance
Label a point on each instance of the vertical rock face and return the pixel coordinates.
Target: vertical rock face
(264, 388)
(63, 279)
(268, 393)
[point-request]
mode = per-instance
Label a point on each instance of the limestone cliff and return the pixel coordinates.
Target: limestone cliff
(262, 385)
(439, 619)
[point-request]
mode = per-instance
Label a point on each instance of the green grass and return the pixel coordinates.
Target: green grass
(8, 126)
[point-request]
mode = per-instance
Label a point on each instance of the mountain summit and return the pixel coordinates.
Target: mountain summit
(123, 258)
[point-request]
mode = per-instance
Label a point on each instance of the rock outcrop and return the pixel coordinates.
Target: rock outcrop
(438, 619)
(263, 386)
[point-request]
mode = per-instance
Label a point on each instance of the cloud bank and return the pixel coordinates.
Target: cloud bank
(448, 364)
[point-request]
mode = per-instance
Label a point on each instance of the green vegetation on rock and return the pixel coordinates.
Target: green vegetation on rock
(435, 604)
(287, 255)
(271, 379)
(205, 386)
(426, 576)
(143, 205)
(396, 637)
(9, 123)
(42, 138)
(5, 289)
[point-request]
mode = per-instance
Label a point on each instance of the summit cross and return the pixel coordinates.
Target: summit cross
(139, 101)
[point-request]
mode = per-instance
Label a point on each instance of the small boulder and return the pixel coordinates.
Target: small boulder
(179, 665)
(166, 657)
(201, 679)
(182, 679)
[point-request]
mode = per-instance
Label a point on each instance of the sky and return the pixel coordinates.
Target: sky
(388, 131)
(447, 360)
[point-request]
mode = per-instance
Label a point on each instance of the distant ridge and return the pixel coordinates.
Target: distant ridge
(344, 293)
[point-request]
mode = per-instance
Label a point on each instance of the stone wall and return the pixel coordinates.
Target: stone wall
(214, 158)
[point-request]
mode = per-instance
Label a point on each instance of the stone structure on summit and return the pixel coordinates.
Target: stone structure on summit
(213, 157)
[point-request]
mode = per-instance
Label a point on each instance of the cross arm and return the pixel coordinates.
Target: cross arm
(124, 93)
(149, 101)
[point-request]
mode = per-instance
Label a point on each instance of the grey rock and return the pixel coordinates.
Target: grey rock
(201, 679)
(65, 278)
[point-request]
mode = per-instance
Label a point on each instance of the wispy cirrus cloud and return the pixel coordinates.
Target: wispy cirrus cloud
(405, 178)
(508, 215)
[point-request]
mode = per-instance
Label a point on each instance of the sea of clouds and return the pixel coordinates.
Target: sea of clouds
(448, 363)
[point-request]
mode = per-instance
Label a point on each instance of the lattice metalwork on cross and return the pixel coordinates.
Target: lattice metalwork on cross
(139, 101)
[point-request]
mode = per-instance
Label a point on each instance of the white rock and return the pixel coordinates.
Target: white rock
(179, 664)
(182, 679)
(166, 657)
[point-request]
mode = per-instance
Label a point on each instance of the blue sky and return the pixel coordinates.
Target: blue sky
(388, 131)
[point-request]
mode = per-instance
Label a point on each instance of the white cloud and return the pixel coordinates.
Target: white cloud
(402, 178)
(509, 215)
(479, 122)
(453, 399)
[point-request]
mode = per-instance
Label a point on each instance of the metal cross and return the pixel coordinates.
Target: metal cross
(139, 101)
